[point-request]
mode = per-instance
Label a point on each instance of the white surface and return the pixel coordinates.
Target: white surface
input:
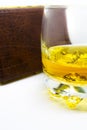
(25, 105)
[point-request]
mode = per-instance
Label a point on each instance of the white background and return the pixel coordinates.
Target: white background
(41, 2)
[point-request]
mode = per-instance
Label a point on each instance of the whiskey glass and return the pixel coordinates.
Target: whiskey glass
(64, 54)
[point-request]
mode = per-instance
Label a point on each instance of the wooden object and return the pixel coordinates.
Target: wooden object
(20, 53)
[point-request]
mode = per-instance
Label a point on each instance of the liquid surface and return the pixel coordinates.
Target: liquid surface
(66, 63)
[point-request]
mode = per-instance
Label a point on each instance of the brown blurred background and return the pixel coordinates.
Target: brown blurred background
(20, 54)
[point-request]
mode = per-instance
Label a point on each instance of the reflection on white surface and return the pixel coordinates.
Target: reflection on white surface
(25, 105)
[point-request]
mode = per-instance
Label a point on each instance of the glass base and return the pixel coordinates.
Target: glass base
(75, 97)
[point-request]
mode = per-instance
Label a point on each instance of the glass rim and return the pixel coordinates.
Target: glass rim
(64, 6)
(55, 6)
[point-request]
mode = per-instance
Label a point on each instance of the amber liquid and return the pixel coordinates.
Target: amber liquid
(68, 65)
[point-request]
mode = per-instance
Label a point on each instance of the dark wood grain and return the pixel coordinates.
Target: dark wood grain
(20, 53)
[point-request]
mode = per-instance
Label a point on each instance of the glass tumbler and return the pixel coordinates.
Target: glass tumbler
(64, 54)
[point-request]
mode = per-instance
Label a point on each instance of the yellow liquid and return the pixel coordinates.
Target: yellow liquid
(68, 65)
